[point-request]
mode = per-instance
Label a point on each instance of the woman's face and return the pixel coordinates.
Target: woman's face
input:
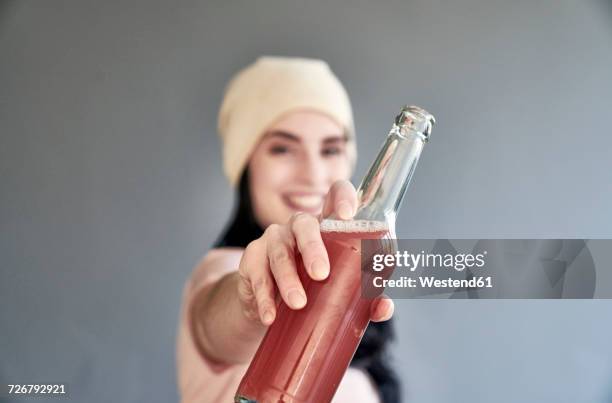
(294, 165)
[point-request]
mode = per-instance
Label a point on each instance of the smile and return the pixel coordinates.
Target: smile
(307, 203)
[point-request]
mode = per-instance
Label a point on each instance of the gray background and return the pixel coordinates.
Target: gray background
(111, 182)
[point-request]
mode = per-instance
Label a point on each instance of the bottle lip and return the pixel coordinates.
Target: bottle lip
(417, 119)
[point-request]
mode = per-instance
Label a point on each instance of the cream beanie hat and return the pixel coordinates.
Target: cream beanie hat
(261, 93)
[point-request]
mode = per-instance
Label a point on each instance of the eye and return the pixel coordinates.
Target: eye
(331, 151)
(279, 149)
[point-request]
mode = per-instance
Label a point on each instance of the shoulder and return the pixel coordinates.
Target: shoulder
(224, 256)
(214, 265)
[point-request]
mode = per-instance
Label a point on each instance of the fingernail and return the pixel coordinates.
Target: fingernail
(345, 210)
(268, 317)
(296, 299)
(388, 311)
(319, 269)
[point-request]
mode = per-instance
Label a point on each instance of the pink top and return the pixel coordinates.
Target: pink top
(202, 381)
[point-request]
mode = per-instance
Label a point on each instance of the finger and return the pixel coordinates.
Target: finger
(341, 201)
(260, 280)
(280, 246)
(252, 270)
(382, 309)
(263, 288)
(307, 234)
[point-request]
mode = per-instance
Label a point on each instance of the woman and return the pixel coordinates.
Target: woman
(289, 147)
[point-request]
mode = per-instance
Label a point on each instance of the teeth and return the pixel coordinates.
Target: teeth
(306, 201)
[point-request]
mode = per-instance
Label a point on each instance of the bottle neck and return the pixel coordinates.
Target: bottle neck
(384, 186)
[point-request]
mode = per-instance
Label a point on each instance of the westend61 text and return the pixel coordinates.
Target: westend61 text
(432, 282)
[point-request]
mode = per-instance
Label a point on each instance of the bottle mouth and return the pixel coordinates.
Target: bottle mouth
(416, 119)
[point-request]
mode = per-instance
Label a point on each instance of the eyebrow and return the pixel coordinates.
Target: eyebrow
(292, 137)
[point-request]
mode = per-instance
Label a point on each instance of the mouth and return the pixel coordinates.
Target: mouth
(310, 203)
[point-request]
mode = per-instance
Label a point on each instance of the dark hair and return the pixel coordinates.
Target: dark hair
(371, 353)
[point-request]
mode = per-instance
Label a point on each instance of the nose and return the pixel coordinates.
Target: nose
(313, 171)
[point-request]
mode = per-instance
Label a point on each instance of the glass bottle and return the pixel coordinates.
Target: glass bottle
(306, 352)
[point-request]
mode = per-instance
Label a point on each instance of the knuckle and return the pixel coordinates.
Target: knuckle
(246, 257)
(243, 273)
(245, 289)
(250, 248)
(281, 255)
(272, 230)
(288, 281)
(311, 244)
(260, 284)
(242, 267)
(251, 314)
(265, 301)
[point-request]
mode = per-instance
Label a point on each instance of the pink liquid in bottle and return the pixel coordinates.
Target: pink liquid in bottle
(306, 352)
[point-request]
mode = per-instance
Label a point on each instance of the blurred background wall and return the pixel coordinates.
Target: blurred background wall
(112, 189)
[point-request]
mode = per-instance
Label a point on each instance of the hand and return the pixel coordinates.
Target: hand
(271, 259)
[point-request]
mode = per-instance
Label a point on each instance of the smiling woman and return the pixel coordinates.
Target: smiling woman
(295, 164)
(289, 147)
